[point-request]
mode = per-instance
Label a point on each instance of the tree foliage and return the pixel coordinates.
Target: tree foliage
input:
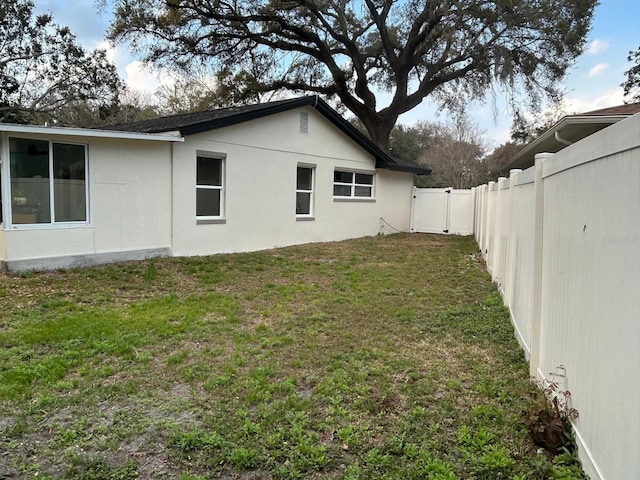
(525, 129)
(44, 71)
(132, 106)
(455, 154)
(500, 157)
(454, 151)
(632, 84)
(448, 50)
(198, 92)
(185, 95)
(409, 142)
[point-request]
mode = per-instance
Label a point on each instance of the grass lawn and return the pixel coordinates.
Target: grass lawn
(385, 357)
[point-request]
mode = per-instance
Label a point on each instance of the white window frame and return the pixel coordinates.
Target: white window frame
(311, 193)
(204, 219)
(353, 184)
(9, 193)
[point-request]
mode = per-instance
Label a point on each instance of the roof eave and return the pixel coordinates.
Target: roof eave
(383, 160)
(395, 167)
(85, 132)
(520, 157)
(201, 127)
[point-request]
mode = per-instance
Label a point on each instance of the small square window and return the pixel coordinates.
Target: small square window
(364, 179)
(343, 177)
(208, 202)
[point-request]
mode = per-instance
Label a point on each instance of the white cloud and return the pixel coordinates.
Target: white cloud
(113, 55)
(144, 78)
(496, 136)
(140, 78)
(598, 69)
(597, 46)
(608, 98)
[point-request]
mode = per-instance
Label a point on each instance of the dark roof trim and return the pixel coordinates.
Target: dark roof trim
(245, 115)
(191, 124)
(383, 160)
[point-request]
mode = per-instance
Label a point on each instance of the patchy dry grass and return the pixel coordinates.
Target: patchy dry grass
(386, 357)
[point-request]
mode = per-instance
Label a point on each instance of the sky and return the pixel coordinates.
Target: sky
(592, 83)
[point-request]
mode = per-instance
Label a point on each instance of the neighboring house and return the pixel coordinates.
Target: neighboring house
(230, 180)
(571, 129)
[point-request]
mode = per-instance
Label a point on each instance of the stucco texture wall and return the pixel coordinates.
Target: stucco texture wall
(129, 204)
(261, 157)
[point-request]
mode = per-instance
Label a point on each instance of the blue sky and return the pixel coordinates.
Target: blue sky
(594, 81)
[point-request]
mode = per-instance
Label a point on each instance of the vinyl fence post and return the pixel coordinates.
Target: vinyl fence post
(412, 220)
(498, 232)
(474, 192)
(484, 219)
(536, 318)
(511, 239)
(491, 226)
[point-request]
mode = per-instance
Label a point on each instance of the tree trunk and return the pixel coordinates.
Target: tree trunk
(379, 127)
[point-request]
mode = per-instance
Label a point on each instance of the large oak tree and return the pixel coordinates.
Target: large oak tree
(44, 72)
(449, 50)
(632, 83)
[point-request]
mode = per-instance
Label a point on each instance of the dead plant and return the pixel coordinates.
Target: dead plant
(549, 420)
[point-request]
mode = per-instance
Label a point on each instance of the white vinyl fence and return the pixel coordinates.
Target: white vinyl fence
(562, 242)
(442, 210)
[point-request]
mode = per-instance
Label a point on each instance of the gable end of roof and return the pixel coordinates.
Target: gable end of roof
(199, 122)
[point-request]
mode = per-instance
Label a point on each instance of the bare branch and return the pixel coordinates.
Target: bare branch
(412, 48)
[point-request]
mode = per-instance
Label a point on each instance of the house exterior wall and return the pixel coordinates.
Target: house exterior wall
(129, 208)
(261, 157)
(3, 249)
(142, 195)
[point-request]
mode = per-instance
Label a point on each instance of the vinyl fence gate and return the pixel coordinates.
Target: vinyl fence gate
(443, 210)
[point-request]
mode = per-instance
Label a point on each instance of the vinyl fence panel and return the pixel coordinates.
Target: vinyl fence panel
(562, 240)
(443, 210)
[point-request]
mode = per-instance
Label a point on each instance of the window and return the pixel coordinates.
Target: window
(48, 182)
(304, 191)
(352, 184)
(209, 186)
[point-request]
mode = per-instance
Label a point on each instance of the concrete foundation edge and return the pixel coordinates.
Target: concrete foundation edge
(85, 260)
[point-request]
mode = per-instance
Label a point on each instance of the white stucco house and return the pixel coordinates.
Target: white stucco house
(229, 180)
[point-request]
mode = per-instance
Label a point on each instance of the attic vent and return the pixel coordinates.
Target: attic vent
(304, 122)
